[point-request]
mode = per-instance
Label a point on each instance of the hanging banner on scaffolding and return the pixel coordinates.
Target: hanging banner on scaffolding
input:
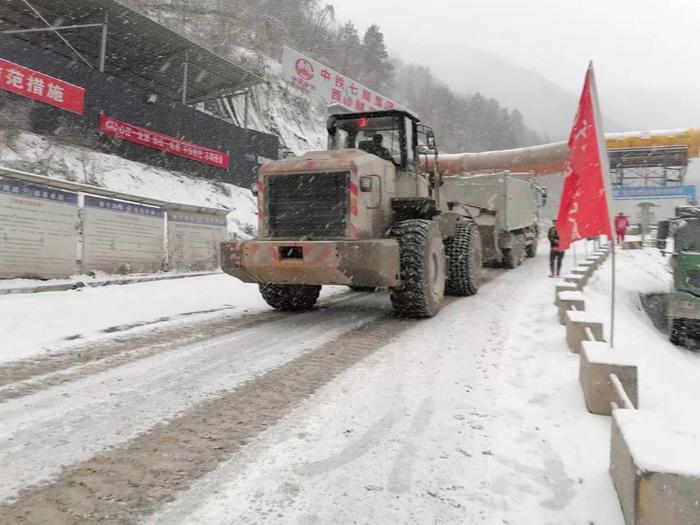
(29, 83)
(152, 139)
(333, 87)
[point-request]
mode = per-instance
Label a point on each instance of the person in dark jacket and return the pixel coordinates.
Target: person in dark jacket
(555, 254)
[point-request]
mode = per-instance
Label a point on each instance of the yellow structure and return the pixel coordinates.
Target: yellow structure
(651, 139)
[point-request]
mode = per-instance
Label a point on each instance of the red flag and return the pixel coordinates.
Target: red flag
(584, 210)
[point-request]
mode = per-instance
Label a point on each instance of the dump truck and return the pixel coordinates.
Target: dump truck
(506, 207)
(365, 213)
(684, 298)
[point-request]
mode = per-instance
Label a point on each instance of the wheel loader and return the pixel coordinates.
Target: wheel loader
(368, 212)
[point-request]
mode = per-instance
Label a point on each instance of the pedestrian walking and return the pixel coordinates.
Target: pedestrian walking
(621, 225)
(555, 254)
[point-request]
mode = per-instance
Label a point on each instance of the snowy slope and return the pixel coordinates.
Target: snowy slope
(295, 116)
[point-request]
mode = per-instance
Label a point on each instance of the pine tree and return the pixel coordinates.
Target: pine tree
(349, 48)
(377, 71)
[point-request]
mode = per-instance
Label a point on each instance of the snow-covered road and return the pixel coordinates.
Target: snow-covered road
(345, 414)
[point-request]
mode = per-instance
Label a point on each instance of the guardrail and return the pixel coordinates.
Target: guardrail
(622, 395)
(651, 485)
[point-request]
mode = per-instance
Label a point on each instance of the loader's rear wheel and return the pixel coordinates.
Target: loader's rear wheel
(464, 261)
(367, 289)
(290, 297)
(422, 259)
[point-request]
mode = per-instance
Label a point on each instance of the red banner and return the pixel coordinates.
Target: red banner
(44, 88)
(584, 210)
(152, 139)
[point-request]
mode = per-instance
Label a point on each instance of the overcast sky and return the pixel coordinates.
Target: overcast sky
(651, 43)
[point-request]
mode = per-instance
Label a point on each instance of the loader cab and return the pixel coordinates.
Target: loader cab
(398, 131)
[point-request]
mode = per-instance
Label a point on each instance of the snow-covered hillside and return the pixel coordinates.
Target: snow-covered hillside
(49, 157)
(295, 116)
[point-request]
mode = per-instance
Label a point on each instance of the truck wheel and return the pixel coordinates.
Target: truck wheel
(677, 331)
(290, 297)
(513, 257)
(464, 261)
(531, 249)
(367, 289)
(422, 261)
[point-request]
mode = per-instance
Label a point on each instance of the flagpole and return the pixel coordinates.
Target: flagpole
(612, 297)
(605, 167)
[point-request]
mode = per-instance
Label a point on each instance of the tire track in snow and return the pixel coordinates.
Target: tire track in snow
(135, 479)
(25, 377)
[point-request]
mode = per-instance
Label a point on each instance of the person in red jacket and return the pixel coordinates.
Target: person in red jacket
(621, 225)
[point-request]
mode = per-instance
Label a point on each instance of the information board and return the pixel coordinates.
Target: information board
(38, 230)
(193, 240)
(122, 237)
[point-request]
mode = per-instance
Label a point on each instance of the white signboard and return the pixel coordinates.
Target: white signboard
(194, 239)
(38, 230)
(332, 86)
(122, 237)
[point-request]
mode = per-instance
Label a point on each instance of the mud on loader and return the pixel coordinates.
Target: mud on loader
(363, 213)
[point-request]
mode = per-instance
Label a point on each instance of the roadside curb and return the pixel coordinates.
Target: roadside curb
(62, 287)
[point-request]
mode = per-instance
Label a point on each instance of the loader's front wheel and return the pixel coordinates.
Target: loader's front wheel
(422, 260)
(464, 261)
(677, 331)
(290, 297)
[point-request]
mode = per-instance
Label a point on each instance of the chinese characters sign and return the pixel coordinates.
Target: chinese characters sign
(653, 192)
(152, 139)
(331, 85)
(44, 88)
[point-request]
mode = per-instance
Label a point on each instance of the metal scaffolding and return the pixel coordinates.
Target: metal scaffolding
(654, 166)
(108, 36)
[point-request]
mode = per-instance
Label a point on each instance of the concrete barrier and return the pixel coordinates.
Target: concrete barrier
(587, 265)
(576, 324)
(569, 301)
(594, 261)
(632, 245)
(579, 280)
(583, 270)
(597, 362)
(563, 287)
(603, 254)
(655, 469)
